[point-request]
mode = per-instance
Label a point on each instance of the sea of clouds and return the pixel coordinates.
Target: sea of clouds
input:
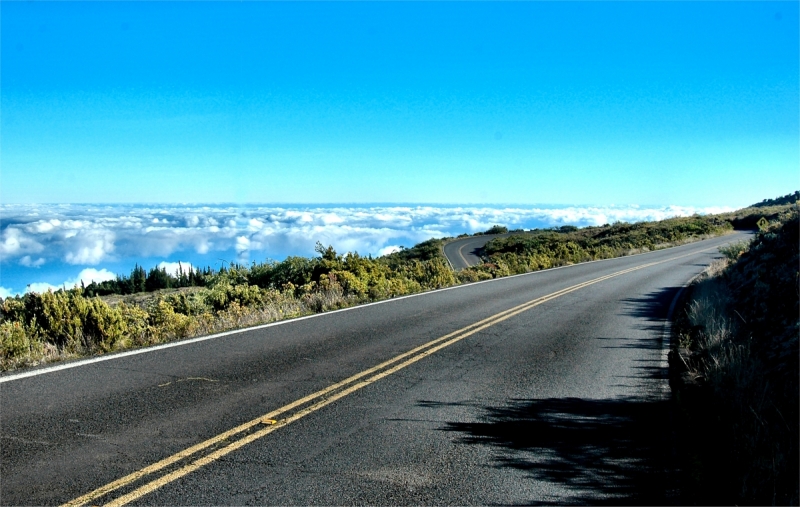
(68, 244)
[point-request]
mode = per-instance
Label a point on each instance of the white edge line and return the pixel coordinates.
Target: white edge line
(109, 357)
(447, 258)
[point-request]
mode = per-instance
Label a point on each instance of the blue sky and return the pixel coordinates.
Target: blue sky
(673, 103)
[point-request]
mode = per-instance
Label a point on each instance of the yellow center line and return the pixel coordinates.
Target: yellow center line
(461, 254)
(326, 397)
(245, 426)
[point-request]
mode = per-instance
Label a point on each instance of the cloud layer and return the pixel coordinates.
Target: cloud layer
(33, 235)
(78, 242)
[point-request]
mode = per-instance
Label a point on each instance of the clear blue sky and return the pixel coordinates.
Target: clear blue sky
(690, 103)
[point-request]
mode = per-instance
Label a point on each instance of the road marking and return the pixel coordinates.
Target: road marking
(461, 254)
(185, 379)
(460, 249)
(322, 398)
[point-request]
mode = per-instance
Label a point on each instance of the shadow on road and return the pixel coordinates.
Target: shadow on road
(601, 451)
(652, 307)
(591, 451)
(596, 451)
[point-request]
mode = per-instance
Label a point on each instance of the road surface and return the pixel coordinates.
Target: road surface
(548, 387)
(465, 252)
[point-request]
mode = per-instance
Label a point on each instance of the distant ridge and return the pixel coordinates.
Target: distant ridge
(779, 201)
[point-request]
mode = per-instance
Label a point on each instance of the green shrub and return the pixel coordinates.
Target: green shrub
(193, 303)
(297, 271)
(541, 249)
(222, 295)
(432, 274)
(425, 251)
(15, 342)
(472, 275)
(67, 320)
(137, 323)
(735, 250)
(165, 324)
(497, 229)
(57, 317)
(351, 283)
(104, 327)
(401, 285)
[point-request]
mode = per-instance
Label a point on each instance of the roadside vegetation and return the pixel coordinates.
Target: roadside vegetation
(771, 210)
(150, 307)
(542, 249)
(734, 372)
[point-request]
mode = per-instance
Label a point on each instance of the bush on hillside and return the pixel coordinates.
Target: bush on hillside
(738, 357)
(497, 229)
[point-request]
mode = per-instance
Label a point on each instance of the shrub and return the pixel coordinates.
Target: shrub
(497, 229)
(297, 271)
(165, 324)
(735, 250)
(472, 275)
(188, 304)
(542, 249)
(15, 342)
(432, 274)
(56, 317)
(103, 326)
(137, 322)
(351, 284)
(223, 295)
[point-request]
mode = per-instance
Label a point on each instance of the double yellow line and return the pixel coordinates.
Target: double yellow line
(272, 421)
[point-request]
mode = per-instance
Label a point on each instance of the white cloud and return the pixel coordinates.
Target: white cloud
(48, 226)
(30, 263)
(242, 244)
(331, 218)
(5, 293)
(40, 287)
(89, 235)
(90, 247)
(90, 275)
(388, 249)
(16, 242)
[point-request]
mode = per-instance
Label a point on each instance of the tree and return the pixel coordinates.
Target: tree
(158, 279)
(138, 279)
(328, 254)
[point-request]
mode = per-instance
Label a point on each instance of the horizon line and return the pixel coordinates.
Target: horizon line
(347, 204)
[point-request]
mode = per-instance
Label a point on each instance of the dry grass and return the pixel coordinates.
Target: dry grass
(735, 369)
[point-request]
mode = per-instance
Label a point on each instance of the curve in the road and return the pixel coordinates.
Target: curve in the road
(465, 252)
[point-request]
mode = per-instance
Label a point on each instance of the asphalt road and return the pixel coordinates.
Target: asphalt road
(463, 253)
(562, 400)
